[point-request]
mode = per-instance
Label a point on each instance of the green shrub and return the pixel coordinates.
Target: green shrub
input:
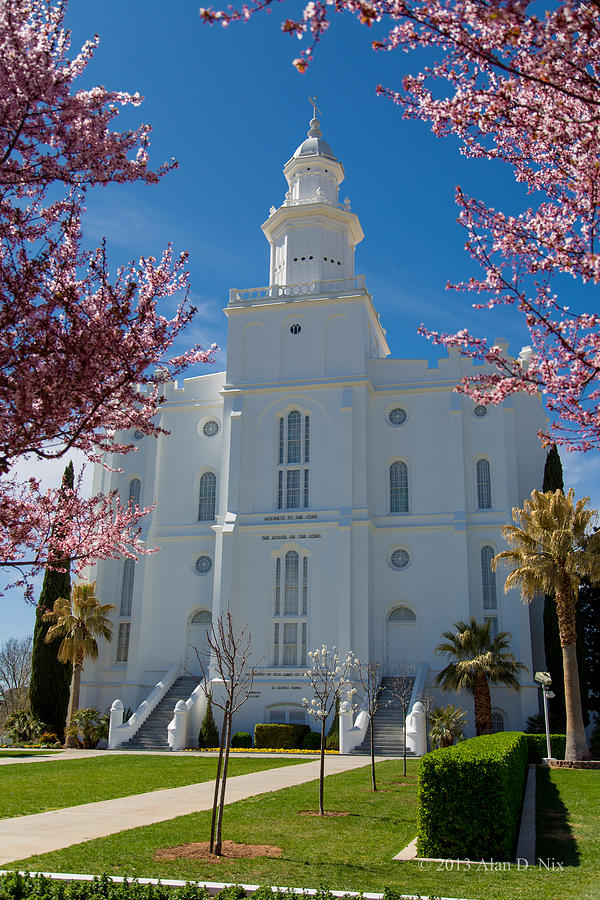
(241, 739)
(312, 741)
(284, 737)
(23, 727)
(89, 726)
(538, 750)
(37, 887)
(470, 796)
(332, 741)
(209, 733)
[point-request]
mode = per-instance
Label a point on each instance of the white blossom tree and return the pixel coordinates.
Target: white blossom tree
(368, 678)
(330, 677)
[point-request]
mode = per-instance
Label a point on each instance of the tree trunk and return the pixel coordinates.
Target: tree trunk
(223, 783)
(218, 778)
(322, 768)
(483, 705)
(576, 747)
(71, 740)
(404, 741)
(373, 754)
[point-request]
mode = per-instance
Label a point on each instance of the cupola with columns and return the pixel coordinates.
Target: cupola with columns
(312, 235)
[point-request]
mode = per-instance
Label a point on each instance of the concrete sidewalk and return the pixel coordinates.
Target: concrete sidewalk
(25, 836)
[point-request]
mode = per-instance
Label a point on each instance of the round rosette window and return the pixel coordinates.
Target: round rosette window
(203, 564)
(210, 428)
(397, 416)
(400, 558)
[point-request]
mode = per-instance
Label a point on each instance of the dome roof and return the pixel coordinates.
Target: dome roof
(314, 145)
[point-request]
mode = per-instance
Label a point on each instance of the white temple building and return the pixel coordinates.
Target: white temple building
(317, 489)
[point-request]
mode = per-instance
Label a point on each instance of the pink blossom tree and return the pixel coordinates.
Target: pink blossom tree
(519, 84)
(83, 351)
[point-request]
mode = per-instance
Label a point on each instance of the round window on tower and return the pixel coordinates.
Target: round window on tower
(479, 411)
(296, 328)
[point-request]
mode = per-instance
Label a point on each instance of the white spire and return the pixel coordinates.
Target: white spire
(312, 234)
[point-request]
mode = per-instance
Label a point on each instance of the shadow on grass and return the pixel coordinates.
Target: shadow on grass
(555, 839)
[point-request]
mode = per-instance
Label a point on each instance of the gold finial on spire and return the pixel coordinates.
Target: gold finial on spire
(313, 103)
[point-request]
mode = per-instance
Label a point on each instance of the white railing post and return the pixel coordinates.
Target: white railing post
(177, 727)
(116, 720)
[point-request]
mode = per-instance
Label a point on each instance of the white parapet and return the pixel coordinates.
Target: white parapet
(352, 731)
(119, 732)
(184, 727)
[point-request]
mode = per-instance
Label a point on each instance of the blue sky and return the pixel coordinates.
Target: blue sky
(230, 107)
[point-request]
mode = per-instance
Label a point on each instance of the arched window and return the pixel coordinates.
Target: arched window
(488, 579)
(125, 611)
(202, 617)
(127, 587)
(402, 614)
(292, 461)
(290, 606)
(497, 721)
(208, 492)
(123, 642)
(291, 579)
(484, 485)
(135, 487)
(398, 487)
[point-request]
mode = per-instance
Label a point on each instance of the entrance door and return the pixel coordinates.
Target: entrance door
(401, 640)
(196, 643)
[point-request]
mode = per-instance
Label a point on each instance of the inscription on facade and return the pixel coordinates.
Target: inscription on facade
(290, 518)
(289, 537)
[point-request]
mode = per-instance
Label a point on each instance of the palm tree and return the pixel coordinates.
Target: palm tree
(551, 552)
(446, 725)
(78, 621)
(478, 661)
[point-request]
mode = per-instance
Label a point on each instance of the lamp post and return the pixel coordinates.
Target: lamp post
(544, 680)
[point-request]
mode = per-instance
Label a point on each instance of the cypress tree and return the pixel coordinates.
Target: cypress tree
(553, 481)
(50, 682)
(209, 733)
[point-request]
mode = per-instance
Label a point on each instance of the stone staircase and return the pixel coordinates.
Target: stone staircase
(152, 735)
(389, 739)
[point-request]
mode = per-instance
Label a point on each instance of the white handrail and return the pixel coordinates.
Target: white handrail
(119, 731)
(184, 727)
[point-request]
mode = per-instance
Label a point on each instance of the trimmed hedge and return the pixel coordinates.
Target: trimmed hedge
(538, 748)
(469, 798)
(312, 741)
(285, 737)
(241, 739)
(23, 887)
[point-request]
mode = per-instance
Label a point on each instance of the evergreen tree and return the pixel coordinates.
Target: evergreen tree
(553, 481)
(209, 733)
(50, 679)
(588, 607)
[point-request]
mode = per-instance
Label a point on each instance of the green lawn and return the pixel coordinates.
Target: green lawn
(16, 754)
(39, 787)
(354, 852)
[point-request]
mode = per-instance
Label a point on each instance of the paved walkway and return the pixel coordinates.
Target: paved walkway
(25, 836)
